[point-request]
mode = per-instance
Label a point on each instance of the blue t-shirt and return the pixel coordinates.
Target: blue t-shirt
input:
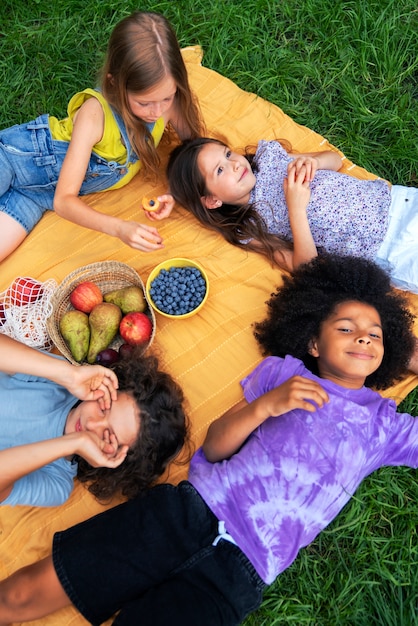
(33, 409)
(296, 471)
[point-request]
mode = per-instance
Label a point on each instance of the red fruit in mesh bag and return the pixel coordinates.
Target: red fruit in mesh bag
(85, 296)
(24, 290)
(2, 314)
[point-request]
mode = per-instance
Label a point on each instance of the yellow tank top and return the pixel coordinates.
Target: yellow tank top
(111, 146)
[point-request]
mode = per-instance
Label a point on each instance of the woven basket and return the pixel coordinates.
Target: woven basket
(107, 275)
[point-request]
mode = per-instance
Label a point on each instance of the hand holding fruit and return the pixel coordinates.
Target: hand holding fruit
(164, 205)
(140, 236)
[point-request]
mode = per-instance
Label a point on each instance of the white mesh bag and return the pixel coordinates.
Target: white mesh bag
(24, 308)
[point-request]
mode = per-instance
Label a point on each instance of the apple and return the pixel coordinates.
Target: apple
(2, 314)
(24, 290)
(135, 328)
(85, 296)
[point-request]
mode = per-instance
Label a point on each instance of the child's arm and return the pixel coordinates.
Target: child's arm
(227, 434)
(87, 132)
(297, 193)
(86, 382)
(300, 173)
(21, 460)
(313, 161)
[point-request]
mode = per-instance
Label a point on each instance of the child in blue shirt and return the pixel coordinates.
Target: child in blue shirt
(58, 421)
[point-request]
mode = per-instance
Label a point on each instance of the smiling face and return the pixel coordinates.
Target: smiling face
(350, 344)
(228, 176)
(122, 419)
(154, 103)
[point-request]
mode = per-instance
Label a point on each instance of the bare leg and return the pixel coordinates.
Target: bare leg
(30, 593)
(11, 235)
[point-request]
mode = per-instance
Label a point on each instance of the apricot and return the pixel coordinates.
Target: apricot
(150, 204)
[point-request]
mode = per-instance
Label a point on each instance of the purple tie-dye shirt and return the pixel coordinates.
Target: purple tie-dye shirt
(346, 215)
(296, 472)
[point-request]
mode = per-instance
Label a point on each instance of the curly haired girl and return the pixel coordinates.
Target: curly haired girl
(119, 438)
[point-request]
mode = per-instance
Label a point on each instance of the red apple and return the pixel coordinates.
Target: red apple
(24, 290)
(85, 296)
(135, 328)
(2, 314)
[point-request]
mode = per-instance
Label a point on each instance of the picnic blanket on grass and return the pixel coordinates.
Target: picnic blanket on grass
(209, 353)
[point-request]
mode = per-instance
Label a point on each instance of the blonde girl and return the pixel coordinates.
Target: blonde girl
(109, 135)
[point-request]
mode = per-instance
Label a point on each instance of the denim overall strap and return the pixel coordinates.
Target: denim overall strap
(122, 128)
(42, 141)
(131, 156)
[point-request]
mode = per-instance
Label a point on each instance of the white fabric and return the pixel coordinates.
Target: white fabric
(399, 251)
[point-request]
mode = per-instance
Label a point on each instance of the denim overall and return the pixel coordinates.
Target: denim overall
(31, 161)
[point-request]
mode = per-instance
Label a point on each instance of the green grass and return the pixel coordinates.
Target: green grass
(347, 69)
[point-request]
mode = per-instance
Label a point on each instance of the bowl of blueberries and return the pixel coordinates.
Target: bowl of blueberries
(177, 288)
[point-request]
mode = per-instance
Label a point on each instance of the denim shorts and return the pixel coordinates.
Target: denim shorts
(153, 559)
(30, 164)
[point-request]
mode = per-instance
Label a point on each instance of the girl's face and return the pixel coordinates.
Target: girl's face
(154, 103)
(121, 420)
(228, 176)
(350, 344)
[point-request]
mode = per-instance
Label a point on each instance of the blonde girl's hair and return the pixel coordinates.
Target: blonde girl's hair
(143, 50)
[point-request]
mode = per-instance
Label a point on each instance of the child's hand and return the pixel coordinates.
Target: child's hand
(296, 393)
(166, 206)
(139, 236)
(296, 188)
(310, 163)
(98, 452)
(93, 382)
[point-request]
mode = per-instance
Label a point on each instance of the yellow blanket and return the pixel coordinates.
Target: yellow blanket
(209, 353)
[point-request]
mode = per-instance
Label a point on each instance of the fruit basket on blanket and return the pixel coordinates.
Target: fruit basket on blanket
(108, 276)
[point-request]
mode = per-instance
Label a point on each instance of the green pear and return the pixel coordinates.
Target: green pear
(75, 329)
(104, 324)
(128, 299)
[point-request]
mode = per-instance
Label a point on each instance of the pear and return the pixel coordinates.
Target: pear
(128, 299)
(75, 329)
(104, 324)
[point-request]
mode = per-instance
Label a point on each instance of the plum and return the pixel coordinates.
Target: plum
(125, 350)
(107, 357)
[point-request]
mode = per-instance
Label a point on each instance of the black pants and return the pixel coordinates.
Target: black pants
(153, 560)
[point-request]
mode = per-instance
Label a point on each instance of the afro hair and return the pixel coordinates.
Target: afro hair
(310, 295)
